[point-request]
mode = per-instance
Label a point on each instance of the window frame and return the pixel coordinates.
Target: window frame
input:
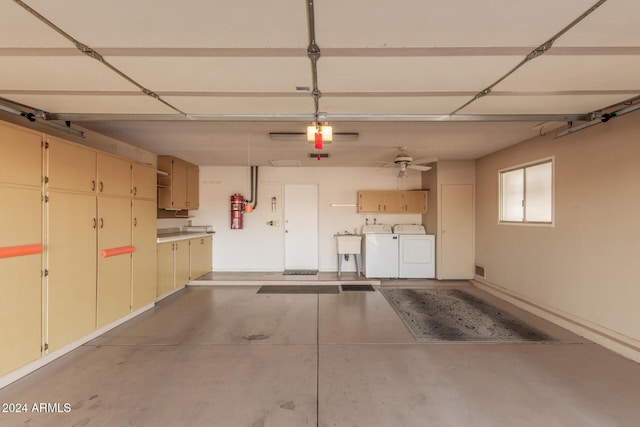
(524, 167)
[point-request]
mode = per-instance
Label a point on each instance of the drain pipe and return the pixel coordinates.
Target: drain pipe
(252, 203)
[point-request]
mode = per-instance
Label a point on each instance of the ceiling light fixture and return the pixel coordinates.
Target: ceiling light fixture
(319, 133)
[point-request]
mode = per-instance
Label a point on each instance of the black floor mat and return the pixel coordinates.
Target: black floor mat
(300, 272)
(362, 288)
(298, 289)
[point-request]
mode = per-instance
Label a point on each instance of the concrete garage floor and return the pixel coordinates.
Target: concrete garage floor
(227, 356)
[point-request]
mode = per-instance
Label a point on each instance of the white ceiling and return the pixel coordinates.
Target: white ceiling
(235, 66)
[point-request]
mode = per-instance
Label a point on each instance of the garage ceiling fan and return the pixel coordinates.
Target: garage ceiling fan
(404, 161)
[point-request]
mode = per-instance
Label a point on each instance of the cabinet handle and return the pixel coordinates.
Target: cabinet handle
(93, 185)
(101, 186)
(95, 223)
(101, 222)
(135, 222)
(135, 191)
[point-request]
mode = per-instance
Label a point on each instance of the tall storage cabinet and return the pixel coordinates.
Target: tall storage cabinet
(70, 191)
(20, 240)
(78, 246)
(114, 272)
(72, 267)
(143, 238)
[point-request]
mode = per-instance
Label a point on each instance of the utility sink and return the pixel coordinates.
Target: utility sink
(348, 243)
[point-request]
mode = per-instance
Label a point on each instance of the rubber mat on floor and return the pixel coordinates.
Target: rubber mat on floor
(361, 288)
(455, 315)
(298, 289)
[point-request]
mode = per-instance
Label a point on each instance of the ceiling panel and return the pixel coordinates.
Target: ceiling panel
(613, 24)
(58, 73)
(111, 104)
(437, 23)
(242, 104)
(185, 23)
(543, 104)
(393, 74)
(583, 72)
(19, 29)
(217, 74)
(391, 104)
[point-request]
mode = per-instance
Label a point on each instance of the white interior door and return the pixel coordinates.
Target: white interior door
(457, 251)
(301, 227)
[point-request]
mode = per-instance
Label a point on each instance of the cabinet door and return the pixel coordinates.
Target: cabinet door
(71, 261)
(20, 280)
(179, 184)
(201, 251)
(114, 175)
(70, 166)
(20, 155)
(392, 201)
(166, 271)
(114, 273)
(193, 186)
(182, 263)
(415, 201)
(143, 237)
(144, 181)
(369, 201)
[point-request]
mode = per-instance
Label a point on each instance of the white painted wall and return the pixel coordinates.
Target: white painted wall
(260, 247)
(584, 270)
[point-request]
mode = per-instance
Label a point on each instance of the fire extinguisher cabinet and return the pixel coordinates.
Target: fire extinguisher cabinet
(237, 210)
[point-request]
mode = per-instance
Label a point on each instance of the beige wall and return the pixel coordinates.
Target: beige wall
(585, 267)
(259, 246)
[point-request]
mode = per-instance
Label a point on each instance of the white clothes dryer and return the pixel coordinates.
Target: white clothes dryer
(416, 252)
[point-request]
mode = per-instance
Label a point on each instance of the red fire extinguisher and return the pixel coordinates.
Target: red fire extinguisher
(237, 210)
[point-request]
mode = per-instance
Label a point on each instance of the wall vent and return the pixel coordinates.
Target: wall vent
(480, 271)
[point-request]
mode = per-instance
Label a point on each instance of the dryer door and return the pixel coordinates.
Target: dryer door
(416, 256)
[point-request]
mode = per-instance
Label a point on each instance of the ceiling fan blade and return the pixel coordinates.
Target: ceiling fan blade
(419, 167)
(386, 164)
(425, 161)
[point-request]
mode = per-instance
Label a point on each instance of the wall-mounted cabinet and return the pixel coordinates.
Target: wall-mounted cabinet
(114, 176)
(178, 188)
(70, 166)
(143, 181)
(20, 156)
(390, 201)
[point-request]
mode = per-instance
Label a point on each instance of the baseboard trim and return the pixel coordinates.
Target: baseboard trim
(614, 341)
(168, 294)
(50, 357)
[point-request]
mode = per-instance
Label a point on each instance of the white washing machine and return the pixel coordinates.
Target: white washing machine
(379, 251)
(416, 252)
